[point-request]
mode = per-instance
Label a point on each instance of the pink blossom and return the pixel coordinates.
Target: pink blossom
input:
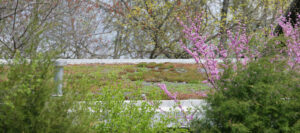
(173, 96)
(205, 81)
(166, 91)
(292, 33)
(202, 93)
(205, 54)
(223, 53)
(202, 50)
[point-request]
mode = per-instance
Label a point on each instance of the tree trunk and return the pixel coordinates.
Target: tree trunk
(153, 52)
(117, 44)
(223, 23)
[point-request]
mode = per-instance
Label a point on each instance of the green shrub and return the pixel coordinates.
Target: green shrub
(152, 65)
(113, 114)
(170, 66)
(107, 110)
(166, 66)
(27, 104)
(130, 70)
(142, 64)
(264, 97)
(135, 76)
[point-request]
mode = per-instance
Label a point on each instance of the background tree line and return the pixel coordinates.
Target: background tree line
(124, 28)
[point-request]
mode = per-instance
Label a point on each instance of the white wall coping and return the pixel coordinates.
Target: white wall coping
(171, 105)
(61, 62)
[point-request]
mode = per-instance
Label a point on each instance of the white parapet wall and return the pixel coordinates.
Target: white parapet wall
(124, 61)
(118, 61)
(128, 61)
(170, 107)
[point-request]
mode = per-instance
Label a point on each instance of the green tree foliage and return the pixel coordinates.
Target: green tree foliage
(147, 28)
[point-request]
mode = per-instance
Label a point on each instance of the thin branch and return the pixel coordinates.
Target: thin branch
(20, 10)
(14, 24)
(6, 45)
(167, 16)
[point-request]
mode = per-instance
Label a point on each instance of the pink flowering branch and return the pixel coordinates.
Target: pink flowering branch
(292, 33)
(239, 46)
(205, 54)
(173, 97)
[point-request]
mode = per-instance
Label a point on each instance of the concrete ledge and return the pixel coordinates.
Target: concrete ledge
(170, 108)
(61, 62)
(125, 61)
(169, 105)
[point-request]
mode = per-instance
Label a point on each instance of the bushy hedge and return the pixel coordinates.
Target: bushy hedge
(26, 101)
(264, 97)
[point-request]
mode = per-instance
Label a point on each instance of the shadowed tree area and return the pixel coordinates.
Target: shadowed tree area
(292, 13)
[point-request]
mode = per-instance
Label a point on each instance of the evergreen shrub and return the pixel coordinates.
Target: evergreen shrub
(262, 97)
(27, 103)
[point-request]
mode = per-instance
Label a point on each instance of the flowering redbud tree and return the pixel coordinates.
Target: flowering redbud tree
(292, 33)
(211, 58)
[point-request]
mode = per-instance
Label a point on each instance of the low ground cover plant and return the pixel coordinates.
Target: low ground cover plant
(137, 80)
